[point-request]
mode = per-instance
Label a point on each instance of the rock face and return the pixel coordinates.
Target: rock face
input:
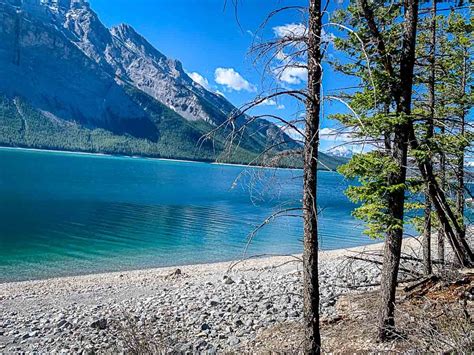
(131, 58)
(163, 78)
(57, 56)
(40, 64)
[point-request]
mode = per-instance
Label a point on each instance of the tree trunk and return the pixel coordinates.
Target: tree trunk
(393, 241)
(460, 200)
(427, 265)
(396, 198)
(312, 344)
(447, 218)
(441, 232)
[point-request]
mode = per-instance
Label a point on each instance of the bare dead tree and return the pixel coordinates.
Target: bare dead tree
(302, 49)
(427, 267)
(311, 147)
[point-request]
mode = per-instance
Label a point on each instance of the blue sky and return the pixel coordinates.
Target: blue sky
(207, 38)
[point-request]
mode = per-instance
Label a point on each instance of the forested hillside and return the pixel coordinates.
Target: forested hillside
(23, 126)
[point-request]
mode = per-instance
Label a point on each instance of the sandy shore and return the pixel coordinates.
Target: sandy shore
(210, 307)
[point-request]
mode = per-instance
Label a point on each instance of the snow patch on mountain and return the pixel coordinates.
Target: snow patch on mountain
(341, 151)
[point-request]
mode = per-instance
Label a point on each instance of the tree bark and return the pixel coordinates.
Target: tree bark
(393, 240)
(396, 198)
(427, 265)
(312, 343)
(441, 232)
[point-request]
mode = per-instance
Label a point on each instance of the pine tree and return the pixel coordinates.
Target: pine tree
(384, 114)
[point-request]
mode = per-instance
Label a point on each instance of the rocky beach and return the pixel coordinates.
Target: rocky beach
(206, 308)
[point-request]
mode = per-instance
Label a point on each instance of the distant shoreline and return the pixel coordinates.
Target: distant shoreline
(96, 154)
(148, 158)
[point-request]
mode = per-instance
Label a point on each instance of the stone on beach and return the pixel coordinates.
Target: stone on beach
(201, 312)
(228, 280)
(99, 324)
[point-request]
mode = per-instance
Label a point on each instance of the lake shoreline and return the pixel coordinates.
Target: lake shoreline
(265, 259)
(226, 304)
(148, 158)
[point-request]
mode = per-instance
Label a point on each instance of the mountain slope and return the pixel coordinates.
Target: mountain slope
(68, 82)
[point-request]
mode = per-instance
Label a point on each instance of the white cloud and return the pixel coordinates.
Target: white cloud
(327, 37)
(219, 93)
(290, 29)
(267, 102)
(299, 30)
(198, 78)
(292, 74)
(271, 102)
(232, 80)
(281, 55)
(336, 135)
(292, 69)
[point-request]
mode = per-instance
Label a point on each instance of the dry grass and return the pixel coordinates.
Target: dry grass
(437, 318)
(138, 338)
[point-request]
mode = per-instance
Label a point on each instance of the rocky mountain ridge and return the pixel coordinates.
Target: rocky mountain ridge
(59, 60)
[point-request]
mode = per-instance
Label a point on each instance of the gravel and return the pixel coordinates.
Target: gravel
(200, 308)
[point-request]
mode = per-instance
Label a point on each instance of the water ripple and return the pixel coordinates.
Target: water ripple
(74, 216)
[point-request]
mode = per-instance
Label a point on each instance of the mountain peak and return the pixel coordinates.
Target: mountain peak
(134, 41)
(65, 4)
(124, 30)
(47, 6)
(341, 151)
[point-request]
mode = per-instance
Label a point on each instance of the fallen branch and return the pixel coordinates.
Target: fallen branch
(381, 263)
(431, 278)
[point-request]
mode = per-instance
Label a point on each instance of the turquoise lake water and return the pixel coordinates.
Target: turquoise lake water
(68, 214)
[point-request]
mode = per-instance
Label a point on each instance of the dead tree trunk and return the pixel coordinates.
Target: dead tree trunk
(396, 198)
(312, 344)
(427, 265)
